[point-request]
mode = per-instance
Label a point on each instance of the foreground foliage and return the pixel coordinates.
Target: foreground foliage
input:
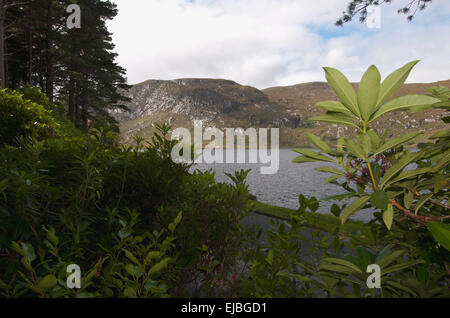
(407, 189)
(136, 223)
(140, 225)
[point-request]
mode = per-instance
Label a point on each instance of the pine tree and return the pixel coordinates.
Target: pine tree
(4, 6)
(93, 76)
(75, 67)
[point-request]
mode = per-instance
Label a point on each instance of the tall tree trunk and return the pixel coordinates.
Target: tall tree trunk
(49, 53)
(5, 48)
(41, 71)
(2, 45)
(77, 106)
(3, 7)
(71, 110)
(85, 111)
(30, 56)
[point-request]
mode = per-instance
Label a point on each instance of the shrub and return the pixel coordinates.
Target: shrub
(21, 118)
(116, 211)
(408, 189)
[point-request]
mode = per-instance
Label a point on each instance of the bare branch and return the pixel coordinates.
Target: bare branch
(421, 219)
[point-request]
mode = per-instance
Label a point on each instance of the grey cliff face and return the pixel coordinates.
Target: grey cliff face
(195, 98)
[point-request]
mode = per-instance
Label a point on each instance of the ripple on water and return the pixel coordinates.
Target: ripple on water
(284, 187)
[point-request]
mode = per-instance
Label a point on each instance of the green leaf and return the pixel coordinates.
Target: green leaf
(397, 286)
(388, 216)
(269, 258)
(422, 201)
(364, 257)
(302, 159)
(393, 82)
(443, 162)
(47, 282)
(29, 251)
(343, 262)
(441, 92)
(129, 292)
(354, 207)
(51, 236)
(333, 106)
(374, 139)
(131, 257)
(343, 89)
(408, 174)
(152, 255)
(331, 170)
(94, 270)
(443, 104)
(298, 277)
(337, 268)
(380, 200)
(389, 259)
(403, 103)
(336, 210)
(16, 247)
(331, 119)
(368, 92)
(445, 133)
(332, 178)
(395, 142)
(400, 165)
(384, 252)
(131, 269)
(401, 266)
(157, 268)
(25, 262)
(313, 154)
(408, 199)
(440, 232)
(3, 185)
(322, 145)
(178, 218)
(366, 143)
(355, 149)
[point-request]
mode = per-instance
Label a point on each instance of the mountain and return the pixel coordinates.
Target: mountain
(227, 104)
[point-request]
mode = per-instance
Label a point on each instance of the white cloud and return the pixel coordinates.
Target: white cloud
(273, 42)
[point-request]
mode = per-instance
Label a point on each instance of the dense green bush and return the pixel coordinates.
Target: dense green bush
(20, 117)
(135, 222)
(212, 220)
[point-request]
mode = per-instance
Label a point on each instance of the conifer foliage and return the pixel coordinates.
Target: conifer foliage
(73, 66)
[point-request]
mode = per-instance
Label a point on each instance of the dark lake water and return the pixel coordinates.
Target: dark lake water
(284, 187)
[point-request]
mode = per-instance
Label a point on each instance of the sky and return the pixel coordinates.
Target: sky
(266, 43)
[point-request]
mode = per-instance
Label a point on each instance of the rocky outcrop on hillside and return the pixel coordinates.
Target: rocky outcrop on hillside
(224, 103)
(195, 98)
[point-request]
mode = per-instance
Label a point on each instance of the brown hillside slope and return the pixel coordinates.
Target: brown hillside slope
(227, 104)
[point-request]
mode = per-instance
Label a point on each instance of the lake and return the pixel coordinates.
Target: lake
(284, 187)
